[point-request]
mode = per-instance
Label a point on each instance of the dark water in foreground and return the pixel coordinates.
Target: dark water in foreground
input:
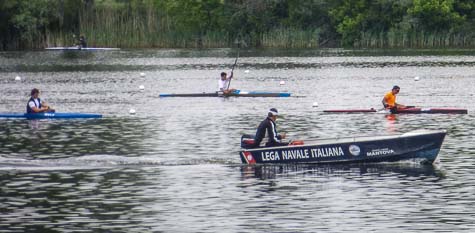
(174, 166)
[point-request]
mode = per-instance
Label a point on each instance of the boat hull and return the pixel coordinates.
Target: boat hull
(235, 94)
(432, 111)
(349, 110)
(404, 111)
(78, 48)
(419, 146)
(48, 115)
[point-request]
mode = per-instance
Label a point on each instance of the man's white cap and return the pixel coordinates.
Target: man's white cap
(274, 112)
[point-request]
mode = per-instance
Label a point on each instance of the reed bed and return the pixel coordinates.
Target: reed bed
(416, 40)
(149, 27)
(290, 38)
(116, 27)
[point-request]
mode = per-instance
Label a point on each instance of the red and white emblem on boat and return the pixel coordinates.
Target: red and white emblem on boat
(249, 158)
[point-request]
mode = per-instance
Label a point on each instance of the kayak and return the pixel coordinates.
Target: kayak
(79, 48)
(237, 93)
(49, 115)
(420, 145)
(404, 111)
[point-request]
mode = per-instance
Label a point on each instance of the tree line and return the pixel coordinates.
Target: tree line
(255, 23)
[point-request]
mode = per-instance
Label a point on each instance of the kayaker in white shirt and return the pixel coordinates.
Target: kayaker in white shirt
(224, 83)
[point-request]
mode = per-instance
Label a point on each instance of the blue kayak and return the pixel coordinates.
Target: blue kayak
(50, 115)
(236, 93)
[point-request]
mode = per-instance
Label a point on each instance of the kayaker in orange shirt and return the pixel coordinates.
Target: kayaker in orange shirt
(389, 100)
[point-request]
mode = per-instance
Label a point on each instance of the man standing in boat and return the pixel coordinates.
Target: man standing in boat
(389, 100)
(268, 125)
(35, 105)
(224, 83)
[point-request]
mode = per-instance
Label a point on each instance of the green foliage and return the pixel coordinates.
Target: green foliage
(354, 17)
(350, 17)
(435, 15)
(197, 16)
(27, 20)
(249, 19)
(219, 23)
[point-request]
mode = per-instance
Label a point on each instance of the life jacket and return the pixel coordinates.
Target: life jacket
(28, 109)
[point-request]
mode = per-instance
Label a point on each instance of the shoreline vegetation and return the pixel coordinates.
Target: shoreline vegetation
(358, 24)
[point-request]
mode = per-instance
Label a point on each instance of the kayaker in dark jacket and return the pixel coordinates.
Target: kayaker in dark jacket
(268, 125)
(35, 105)
(82, 42)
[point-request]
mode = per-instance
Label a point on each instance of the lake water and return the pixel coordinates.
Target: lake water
(174, 165)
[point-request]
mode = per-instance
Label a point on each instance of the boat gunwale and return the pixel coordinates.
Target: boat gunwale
(330, 141)
(220, 94)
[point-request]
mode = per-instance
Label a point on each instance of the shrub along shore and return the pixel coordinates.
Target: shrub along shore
(414, 24)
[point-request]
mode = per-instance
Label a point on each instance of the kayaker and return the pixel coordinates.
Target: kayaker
(82, 42)
(223, 83)
(389, 100)
(35, 105)
(268, 124)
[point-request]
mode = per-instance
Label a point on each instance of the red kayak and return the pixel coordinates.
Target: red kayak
(413, 110)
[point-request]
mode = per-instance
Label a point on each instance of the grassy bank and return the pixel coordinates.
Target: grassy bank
(416, 40)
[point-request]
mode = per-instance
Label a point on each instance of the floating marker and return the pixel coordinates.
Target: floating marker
(416, 78)
(132, 111)
(141, 87)
(315, 104)
(246, 71)
(282, 83)
(142, 74)
(17, 78)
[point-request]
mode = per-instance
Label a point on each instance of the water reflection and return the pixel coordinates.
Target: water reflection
(73, 54)
(342, 170)
(174, 166)
(79, 200)
(43, 139)
(391, 123)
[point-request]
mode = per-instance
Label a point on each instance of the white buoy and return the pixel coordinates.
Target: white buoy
(17, 78)
(141, 87)
(416, 78)
(282, 83)
(315, 104)
(246, 71)
(132, 111)
(142, 74)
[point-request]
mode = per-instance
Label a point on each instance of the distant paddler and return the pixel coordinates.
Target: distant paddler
(223, 83)
(389, 100)
(82, 43)
(35, 105)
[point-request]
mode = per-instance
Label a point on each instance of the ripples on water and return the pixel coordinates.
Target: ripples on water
(174, 166)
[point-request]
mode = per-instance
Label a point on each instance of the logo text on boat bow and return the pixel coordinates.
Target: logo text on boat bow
(380, 152)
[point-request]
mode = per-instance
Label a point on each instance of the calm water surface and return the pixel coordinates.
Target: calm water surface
(174, 166)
